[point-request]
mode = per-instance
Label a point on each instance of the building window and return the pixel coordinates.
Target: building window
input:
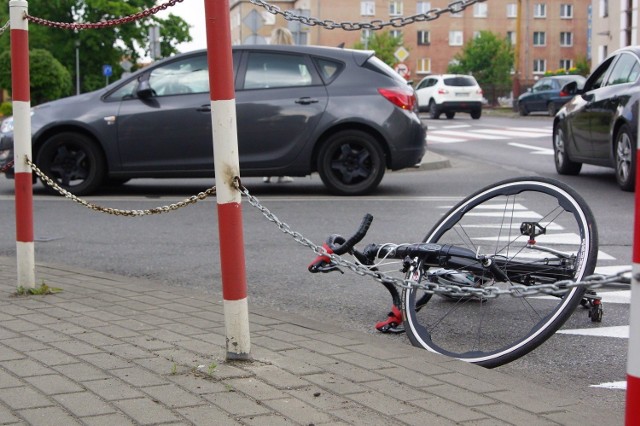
(539, 38)
(511, 37)
(424, 38)
(566, 39)
(604, 8)
(480, 10)
(539, 66)
(455, 38)
(423, 7)
(566, 64)
(476, 34)
(512, 10)
(395, 8)
(540, 10)
(364, 37)
(603, 53)
(396, 34)
(566, 11)
(367, 8)
(424, 66)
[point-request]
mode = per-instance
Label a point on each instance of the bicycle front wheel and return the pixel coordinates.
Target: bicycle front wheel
(537, 222)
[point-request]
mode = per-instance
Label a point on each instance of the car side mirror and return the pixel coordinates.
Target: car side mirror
(569, 89)
(144, 90)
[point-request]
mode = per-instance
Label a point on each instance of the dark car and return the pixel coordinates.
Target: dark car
(600, 124)
(547, 94)
(300, 109)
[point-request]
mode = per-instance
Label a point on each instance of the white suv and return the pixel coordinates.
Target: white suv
(448, 94)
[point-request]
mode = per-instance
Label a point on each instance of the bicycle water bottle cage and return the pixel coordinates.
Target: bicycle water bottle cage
(532, 230)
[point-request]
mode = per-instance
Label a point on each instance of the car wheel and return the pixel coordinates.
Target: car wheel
(552, 108)
(523, 110)
(625, 156)
(351, 162)
(73, 161)
(433, 110)
(564, 165)
(450, 115)
(476, 114)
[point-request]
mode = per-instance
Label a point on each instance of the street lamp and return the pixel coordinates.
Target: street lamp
(77, 67)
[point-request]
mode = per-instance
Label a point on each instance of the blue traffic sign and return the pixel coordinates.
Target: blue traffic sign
(107, 71)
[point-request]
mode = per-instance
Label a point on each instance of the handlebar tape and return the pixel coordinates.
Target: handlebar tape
(357, 237)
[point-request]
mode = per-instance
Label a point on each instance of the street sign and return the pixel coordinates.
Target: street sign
(403, 70)
(107, 71)
(401, 54)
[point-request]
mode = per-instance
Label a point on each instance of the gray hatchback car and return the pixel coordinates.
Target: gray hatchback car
(301, 109)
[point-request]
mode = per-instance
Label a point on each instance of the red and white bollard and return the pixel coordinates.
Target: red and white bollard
(22, 142)
(227, 165)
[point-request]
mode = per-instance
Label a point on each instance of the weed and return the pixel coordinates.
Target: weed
(42, 290)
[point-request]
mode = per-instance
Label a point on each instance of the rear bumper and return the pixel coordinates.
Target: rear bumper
(460, 106)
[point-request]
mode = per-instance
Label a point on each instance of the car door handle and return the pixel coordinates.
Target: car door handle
(204, 108)
(306, 101)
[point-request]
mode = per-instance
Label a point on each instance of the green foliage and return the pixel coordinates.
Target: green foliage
(37, 291)
(49, 78)
(97, 47)
(487, 57)
(6, 109)
(384, 44)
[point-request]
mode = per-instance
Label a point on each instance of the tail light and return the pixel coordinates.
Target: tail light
(563, 93)
(401, 97)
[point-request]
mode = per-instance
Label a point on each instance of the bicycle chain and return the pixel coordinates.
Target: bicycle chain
(398, 22)
(118, 212)
(489, 292)
(105, 24)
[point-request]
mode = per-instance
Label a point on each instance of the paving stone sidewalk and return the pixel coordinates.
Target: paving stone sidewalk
(113, 350)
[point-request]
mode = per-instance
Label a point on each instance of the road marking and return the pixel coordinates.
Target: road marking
(611, 385)
(447, 134)
(515, 133)
(536, 150)
(619, 331)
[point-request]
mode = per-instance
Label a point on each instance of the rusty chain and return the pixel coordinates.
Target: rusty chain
(398, 22)
(104, 24)
(118, 212)
(489, 292)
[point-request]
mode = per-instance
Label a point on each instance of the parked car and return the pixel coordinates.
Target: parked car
(300, 109)
(448, 94)
(600, 124)
(547, 95)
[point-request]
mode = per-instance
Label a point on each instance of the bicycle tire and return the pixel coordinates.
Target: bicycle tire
(493, 332)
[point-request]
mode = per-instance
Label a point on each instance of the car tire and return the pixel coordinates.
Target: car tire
(351, 162)
(434, 111)
(523, 110)
(625, 158)
(564, 165)
(552, 109)
(476, 114)
(450, 115)
(73, 161)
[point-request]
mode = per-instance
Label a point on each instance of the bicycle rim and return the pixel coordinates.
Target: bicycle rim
(495, 331)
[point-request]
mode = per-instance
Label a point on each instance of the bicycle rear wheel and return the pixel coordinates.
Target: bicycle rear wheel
(494, 331)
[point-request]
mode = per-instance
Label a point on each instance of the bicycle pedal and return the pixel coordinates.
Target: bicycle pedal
(393, 323)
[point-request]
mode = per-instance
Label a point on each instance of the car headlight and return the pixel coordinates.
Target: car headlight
(7, 125)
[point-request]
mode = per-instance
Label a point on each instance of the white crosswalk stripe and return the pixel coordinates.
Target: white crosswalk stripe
(455, 134)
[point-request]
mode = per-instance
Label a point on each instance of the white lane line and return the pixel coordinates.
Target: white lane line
(611, 385)
(511, 133)
(538, 150)
(619, 331)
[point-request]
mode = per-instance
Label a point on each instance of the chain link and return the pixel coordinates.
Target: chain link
(489, 292)
(398, 22)
(105, 24)
(4, 27)
(118, 212)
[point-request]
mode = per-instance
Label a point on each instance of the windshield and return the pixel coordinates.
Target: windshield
(460, 81)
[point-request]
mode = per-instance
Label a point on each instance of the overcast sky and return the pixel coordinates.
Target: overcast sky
(191, 11)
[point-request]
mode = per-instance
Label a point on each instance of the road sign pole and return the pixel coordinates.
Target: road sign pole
(227, 166)
(22, 143)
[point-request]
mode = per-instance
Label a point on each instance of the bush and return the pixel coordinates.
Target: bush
(6, 109)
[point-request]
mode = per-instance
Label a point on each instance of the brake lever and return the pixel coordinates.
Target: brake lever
(324, 268)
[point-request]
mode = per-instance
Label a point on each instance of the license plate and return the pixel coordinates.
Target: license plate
(462, 94)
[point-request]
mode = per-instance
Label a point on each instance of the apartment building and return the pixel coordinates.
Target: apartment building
(549, 34)
(615, 25)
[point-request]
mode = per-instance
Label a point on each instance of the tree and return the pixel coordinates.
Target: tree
(488, 58)
(384, 44)
(49, 79)
(98, 47)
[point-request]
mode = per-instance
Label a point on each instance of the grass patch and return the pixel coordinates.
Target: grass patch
(38, 291)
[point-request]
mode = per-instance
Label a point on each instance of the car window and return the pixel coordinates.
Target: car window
(124, 92)
(269, 70)
(596, 78)
(460, 81)
(328, 69)
(188, 75)
(625, 70)
(542, 85)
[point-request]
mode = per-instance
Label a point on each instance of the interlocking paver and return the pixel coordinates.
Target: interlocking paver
(113, 389)
(53, 384)
(173, 396)
(209, 415)
(84, 404)
(23, 397)
(145, 411)
(48, 416)
(236, 405)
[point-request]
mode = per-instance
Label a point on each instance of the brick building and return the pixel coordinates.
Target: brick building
(553, 33)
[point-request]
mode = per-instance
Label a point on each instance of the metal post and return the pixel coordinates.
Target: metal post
(77, 67)
(632, 413)
(227, 166)
(22, 143)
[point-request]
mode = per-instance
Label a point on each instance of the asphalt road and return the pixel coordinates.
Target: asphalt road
(180, 248)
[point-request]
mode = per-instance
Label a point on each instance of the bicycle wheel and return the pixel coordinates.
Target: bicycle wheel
(494, 331)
